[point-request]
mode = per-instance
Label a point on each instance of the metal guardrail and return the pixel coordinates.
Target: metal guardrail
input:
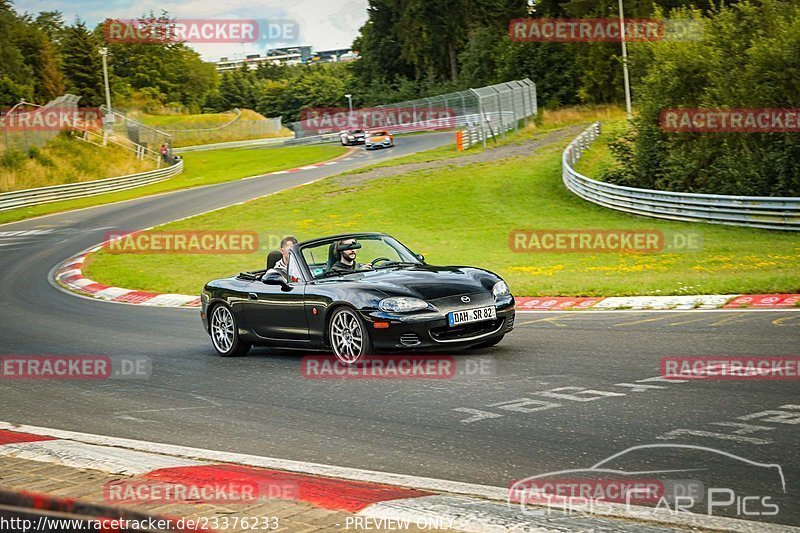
(767, 212)
(55, 193)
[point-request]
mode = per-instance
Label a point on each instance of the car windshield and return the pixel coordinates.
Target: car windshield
(375, 252)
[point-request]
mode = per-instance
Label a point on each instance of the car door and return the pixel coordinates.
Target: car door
(278, 314)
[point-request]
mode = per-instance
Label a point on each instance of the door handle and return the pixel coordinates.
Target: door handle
(252, 296)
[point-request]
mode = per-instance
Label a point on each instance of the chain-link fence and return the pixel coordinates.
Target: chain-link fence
(133, 135)
(28, 125)
(502, 106)
(238, 128)
(494, 109)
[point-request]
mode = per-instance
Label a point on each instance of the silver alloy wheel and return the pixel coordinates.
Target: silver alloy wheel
(347, 338)
(222, 329)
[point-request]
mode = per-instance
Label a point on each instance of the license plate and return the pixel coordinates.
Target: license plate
(456, 318)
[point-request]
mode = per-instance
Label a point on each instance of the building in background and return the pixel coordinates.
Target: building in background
(287, 56)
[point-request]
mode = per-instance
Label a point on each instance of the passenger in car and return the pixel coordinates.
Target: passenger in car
(282, 265)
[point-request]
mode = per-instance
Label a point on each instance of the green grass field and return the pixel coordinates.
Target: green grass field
(464, 216)
(200, 120)
(187, 130)
(545, 123)
(201, 168)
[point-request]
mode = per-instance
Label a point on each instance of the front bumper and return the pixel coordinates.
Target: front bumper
(383, 144)
(431, 331)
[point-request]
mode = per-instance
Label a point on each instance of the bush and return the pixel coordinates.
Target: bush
(12, 159)
(38, 156)
(747, 59)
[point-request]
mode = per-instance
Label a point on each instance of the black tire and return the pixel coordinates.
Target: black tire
(225, 333)
(487, 344)
(348, 336)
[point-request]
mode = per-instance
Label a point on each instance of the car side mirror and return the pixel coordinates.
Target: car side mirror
(274, 278)
(420, 257)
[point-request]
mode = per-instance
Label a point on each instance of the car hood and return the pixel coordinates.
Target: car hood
(427, 282)
(378, 139)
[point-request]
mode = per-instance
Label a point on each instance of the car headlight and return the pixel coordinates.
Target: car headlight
(402, 304)
(350, 137)
(500, 289)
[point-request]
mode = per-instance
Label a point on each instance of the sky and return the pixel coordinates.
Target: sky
(322, 24)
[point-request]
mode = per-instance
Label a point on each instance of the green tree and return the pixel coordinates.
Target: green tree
(82, 64)
(169, 67)
(15, 74)
(728, 68)
(43, 59)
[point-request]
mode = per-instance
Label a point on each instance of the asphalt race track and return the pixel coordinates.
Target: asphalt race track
(499, 420)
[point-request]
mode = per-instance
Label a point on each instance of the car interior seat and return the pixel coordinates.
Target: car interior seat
(272, 258)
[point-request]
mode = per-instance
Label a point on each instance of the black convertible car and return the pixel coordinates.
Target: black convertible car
(357, 294)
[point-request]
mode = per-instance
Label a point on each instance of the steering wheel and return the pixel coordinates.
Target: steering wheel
(378, 260)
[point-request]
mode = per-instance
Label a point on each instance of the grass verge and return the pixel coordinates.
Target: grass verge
(546, 122)
(201, 168)
(65, 160)
(188, 130)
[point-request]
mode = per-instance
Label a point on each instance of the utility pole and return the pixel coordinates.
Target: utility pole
(109, 116)
(350, 105)
(625, 61)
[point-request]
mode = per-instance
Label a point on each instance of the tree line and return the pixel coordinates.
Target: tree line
(410, 49)
(42, 57)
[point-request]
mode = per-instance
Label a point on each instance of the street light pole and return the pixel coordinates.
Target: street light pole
(104, 55)
(350, 105)
(625, 61)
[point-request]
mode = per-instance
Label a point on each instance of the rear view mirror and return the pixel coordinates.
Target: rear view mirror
(420, 257)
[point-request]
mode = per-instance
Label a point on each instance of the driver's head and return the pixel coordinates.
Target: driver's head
(347, 250)
(287, 243)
